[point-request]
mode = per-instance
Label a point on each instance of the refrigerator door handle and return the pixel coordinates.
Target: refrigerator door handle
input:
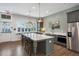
(69, 34)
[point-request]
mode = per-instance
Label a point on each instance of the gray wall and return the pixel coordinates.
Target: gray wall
(62, 17)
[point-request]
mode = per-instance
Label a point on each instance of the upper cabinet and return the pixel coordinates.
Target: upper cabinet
(5, 17)
(77, 15)
(73, 16)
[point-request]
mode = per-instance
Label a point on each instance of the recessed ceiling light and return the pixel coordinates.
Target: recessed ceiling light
(27, 13)
(47, 11)
(4, 11)
(33, 7)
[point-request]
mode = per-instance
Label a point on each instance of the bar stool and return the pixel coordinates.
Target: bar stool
(22, 38)
(23, 41)
(29, 46)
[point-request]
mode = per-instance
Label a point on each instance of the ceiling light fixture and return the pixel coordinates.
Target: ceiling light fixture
(33, 7)
(47, 11)
(39, 9)
(39, 20)
(27, 13)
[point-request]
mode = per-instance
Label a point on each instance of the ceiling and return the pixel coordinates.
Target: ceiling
(32, 9)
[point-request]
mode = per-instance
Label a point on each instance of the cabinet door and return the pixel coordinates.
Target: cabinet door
(0, 37)
(49, 46)
(71, 17)
(55, 39)
(5, 37)
(13, 37)
(18, 37)
(77, 15)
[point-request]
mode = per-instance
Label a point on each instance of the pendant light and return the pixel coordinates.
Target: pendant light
(39, 20)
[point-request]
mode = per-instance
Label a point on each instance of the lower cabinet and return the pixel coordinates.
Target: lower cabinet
(49, 46)
(6, 37)
(46, 46)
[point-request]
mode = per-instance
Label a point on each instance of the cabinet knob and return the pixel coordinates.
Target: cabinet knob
(50, 41)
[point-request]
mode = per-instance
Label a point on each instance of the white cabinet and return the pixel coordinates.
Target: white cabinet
(15, 37)
(5, 37)
(18, 37)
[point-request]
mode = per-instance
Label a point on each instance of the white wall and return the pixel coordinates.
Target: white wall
(21, 21)
(62, 17)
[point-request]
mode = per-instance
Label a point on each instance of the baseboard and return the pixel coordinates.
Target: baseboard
(58, 43)
(10, 41)
(73, 50)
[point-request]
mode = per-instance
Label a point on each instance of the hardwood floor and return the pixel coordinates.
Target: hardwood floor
(16, 49)
(12, 49)
(62, 51)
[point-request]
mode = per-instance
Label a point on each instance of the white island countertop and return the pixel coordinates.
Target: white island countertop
(38, 37)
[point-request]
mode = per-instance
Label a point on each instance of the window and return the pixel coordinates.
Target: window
(6, 27)
(3, 16)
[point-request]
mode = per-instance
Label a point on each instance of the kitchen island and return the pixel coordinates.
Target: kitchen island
(48, 45)
(60, 37)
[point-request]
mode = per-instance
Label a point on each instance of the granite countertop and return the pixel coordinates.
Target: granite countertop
(38, 37)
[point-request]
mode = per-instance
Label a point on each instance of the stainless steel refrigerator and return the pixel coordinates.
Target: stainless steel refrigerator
(73, 36)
